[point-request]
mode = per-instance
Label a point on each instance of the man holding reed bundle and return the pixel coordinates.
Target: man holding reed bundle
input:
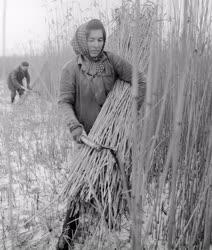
(85, 84)
(15, 80)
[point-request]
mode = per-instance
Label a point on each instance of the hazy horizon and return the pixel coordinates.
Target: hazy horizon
(27, 21)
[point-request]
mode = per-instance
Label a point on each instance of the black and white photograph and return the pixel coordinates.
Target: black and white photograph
(105, 125)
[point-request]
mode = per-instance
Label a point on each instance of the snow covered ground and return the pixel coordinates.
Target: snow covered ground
(4, 97)
(32, 170)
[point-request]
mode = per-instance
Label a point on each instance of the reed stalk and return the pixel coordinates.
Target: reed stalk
(137, 171)
(177, 134)
(208, 210)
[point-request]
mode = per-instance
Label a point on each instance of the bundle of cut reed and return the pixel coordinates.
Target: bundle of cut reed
(120, 39)
(96, 175)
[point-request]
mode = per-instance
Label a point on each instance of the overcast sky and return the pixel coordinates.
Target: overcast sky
(26, 21)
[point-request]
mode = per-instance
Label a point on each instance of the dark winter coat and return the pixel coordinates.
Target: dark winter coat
(16, 77)
(83, 90)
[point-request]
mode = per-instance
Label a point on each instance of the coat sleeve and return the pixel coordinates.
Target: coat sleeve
(15, 83)
(67, 98)
(123, 71)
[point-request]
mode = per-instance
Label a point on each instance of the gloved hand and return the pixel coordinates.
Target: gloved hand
(76, 133)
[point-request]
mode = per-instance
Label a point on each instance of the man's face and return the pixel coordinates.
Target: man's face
(24, 68)
(95, 42)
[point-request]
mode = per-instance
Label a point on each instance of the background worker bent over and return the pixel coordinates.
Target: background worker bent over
(15, 80)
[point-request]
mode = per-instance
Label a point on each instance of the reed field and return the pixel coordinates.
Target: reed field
(155, 192)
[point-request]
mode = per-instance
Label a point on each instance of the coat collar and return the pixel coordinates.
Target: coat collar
(81, 60)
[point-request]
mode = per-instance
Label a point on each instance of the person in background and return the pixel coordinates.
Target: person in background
(15, 80)
(85, 83)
